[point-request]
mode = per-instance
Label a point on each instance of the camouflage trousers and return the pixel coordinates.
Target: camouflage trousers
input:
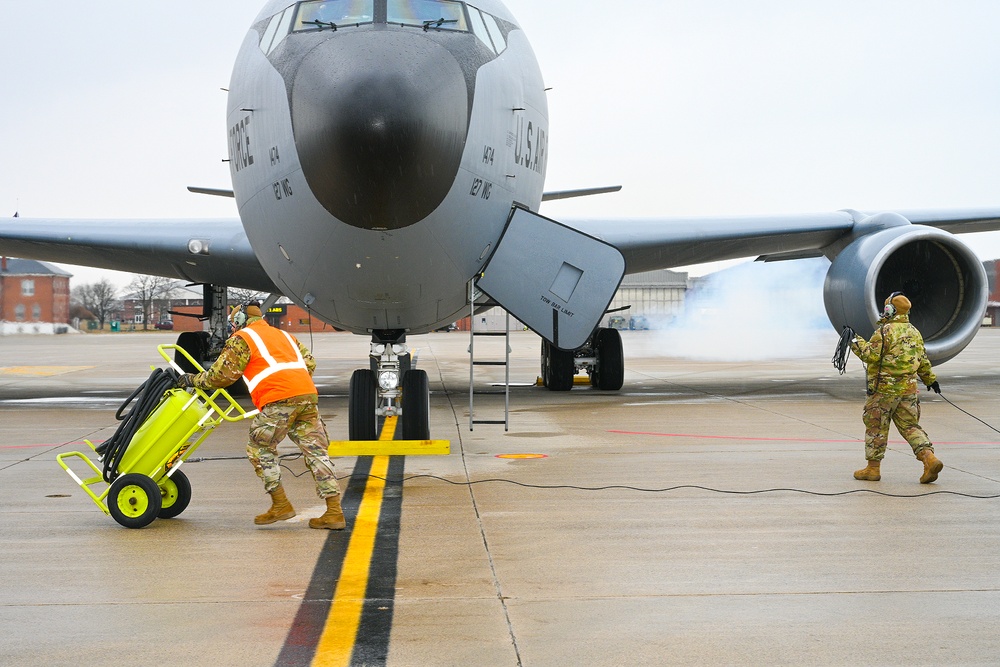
(904, 412)
(299, 419)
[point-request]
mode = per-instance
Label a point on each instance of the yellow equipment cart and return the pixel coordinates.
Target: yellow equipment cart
(146, 482)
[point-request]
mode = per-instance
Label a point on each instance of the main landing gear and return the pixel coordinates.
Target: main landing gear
(601, 357)
(206, 346)
(389, 388)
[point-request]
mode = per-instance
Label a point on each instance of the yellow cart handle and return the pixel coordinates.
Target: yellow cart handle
(241, 414)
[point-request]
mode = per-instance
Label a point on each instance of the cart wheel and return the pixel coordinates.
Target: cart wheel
(176, 492)
(134, 500)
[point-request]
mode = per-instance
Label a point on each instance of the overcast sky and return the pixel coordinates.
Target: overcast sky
(697, 107)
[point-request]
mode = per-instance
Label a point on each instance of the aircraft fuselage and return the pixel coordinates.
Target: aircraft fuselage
(375, 164)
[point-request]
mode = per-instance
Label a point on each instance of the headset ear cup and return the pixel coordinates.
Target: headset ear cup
(238, 316)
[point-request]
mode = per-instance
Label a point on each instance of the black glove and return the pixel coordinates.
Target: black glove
(185, 381)
(935, 387)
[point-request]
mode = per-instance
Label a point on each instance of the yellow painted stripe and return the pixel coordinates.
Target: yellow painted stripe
(337, 641)
(41, 371)
(388, 429)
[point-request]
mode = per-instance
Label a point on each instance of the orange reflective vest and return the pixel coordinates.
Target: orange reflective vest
(276, 369)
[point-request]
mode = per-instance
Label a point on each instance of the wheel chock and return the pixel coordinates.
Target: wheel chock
(386, 446)
(578, 381)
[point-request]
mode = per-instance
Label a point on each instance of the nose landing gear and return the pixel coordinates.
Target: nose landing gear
(389, 388)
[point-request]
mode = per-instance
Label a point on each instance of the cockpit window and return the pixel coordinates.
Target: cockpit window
(428, 14)
(333, 14)
(495, 33)
(277, 29)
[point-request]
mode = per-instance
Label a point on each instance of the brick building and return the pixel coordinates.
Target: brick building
(34, 297)
(183, 308)
(993, 302)
(286, 316)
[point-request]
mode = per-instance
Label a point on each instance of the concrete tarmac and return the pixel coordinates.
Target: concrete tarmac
(727, 528)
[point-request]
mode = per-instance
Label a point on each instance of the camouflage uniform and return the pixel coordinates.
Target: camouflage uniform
(895, 358)
(297, 417)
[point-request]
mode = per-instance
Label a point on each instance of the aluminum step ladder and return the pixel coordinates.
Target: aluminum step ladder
(474, 294)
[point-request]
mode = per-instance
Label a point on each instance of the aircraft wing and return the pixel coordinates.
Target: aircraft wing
(650, 244)
(199, 251)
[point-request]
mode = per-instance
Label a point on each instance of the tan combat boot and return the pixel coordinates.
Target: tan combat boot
(870, 473)
(281, 509)
(333, 518)
(932, 466)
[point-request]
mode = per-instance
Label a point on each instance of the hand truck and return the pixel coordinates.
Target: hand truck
(150, 483)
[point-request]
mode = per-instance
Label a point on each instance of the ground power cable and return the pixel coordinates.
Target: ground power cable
(843, 346)
(620, 487)
(969, 413)
(51, 448)
(679, 487)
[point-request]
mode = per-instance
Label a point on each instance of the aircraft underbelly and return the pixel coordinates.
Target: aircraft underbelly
(360, 279)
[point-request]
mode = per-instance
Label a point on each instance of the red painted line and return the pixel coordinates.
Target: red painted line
(724, 437)
(739, 437)
(34, 446)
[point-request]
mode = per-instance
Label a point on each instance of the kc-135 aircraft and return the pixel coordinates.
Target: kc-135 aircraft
(388, 160)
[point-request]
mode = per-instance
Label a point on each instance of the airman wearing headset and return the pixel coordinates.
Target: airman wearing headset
(278, 372)
(895, 358)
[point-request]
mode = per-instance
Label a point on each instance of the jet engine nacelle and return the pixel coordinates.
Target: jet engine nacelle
(941, 276)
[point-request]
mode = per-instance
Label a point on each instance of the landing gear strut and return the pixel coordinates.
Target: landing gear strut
(389, 388)
(205, 346)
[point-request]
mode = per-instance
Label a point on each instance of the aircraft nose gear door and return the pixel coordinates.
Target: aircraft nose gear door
(553, 278)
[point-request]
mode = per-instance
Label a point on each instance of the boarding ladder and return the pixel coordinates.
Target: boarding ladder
(474, 294)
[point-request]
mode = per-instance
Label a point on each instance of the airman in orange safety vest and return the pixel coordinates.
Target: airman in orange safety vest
(278, 372)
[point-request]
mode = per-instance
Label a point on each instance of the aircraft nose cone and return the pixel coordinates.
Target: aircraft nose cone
(380, 122)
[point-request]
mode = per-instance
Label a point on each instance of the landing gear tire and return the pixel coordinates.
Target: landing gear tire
(361, 413)
(194, 343)
(134, 500)
(610, 373)
(176, 494)
(558, 368)
(545, 362)
(416, 406)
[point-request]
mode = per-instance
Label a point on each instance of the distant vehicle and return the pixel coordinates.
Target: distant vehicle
(638, 322)
(446, 329)
(165, 324)
(617, 322)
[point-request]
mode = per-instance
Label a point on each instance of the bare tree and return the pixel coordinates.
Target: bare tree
(100, 298)
(241, 295)
(146, 290)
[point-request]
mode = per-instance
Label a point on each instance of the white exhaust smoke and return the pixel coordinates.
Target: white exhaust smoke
(753, 311)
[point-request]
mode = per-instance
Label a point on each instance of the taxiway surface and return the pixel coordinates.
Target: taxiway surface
(717, 535)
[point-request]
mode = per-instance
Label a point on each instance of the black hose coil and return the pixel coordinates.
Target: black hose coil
(147, 396)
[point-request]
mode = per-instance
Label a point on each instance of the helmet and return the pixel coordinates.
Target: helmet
(896, 304)
(240, 314)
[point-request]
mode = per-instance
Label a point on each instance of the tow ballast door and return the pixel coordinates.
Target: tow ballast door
(555, 279)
